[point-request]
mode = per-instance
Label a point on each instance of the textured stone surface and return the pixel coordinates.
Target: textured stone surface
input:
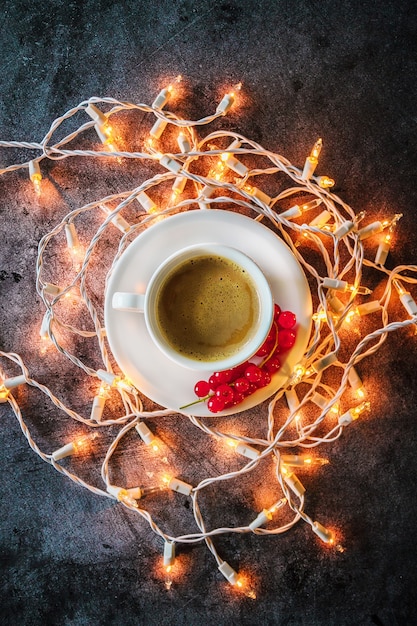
(344, 71)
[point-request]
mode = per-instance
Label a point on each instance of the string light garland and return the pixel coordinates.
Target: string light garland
(311, 409)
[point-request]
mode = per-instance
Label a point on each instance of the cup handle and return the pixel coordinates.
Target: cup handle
(124, 301)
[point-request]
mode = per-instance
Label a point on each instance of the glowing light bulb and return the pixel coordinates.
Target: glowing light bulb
(354, 413)
(344, 286)
(99, 403)
(35, 176)
(148, 437)
(320, 221)
(312, 160)
(298, 373)
(73, 244)
(325, 534)
(376, 227)
(168, 562)
(165, 94)
(126, 496)
(243, 448)
(356, 383)
(406, 298)
(298, 209)
(80, 445)
(325, 182)
(319, 316)
(385, 243)
(175, 484)
(296, 460)
(315, 152)
(347, 227)
(242, 584)
(228, 99)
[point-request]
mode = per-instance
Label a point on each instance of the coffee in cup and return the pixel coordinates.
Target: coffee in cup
(206, 307)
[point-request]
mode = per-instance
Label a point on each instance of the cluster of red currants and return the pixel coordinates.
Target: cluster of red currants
(230, 387)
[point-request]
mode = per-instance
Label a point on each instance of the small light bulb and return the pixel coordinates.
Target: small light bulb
(35, 176)
(325, 534)
(353, 413)
(227, 101)
(298, 373)
(315, 152)
(298, 209)
(344, 286)
(325, 182)
(81, 445)
(406, 298)
(312, 160)
(376, 227)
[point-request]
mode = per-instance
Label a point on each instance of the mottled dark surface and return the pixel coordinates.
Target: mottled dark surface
(344, 71)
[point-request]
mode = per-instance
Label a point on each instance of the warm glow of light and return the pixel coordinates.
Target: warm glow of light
(335, 409)
(351, 316)
(242, 584)
(172, 86)
(320, 316)
(83, 444)
(314, 154)
(326, 182)
(236, 88)
(360, 393)
(77, 255)
(107, 130)
(399, 287)
(36, 180)
(361, 408)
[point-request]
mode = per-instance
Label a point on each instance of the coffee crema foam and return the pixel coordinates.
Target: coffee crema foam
(208, 308)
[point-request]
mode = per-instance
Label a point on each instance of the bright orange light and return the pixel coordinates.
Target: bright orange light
(314, 154)
(242, 584)
(236, 88)
(36, 180)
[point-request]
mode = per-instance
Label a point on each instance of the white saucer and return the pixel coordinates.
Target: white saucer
(156, 376)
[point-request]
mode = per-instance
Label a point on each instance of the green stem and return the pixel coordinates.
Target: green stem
(185, 406)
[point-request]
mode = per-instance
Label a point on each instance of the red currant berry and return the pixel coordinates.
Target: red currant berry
(263, 350)
(286, 339)
(273, 364)
(265, 379)
(215, 404)
(202, 388)
(286, 319)
(277, 311)
(272, 335)
(242, 385)
(238, 398)
(239, 370)
(253, 373)
(224, 391)
(212, 381)
(222, 377)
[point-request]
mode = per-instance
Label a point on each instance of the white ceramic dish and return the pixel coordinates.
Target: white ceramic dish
(154, 374)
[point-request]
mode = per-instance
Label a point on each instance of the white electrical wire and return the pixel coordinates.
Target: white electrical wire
(342, 259)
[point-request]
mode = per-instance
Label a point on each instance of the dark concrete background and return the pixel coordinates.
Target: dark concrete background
(343, 71)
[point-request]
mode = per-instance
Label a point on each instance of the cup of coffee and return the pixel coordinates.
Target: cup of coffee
(207, 307)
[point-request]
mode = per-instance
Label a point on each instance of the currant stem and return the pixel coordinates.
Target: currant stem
(185, 406)
(266, 359)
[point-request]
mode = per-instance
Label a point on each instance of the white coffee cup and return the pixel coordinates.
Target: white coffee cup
(146, 303)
